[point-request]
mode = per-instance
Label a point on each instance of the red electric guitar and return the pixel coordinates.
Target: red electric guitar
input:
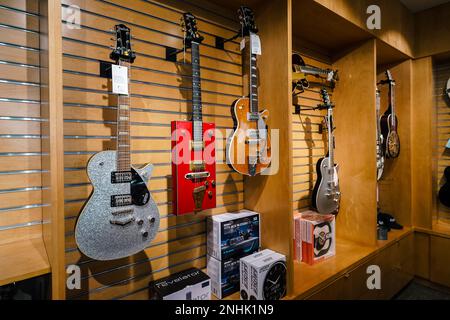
(193, 149)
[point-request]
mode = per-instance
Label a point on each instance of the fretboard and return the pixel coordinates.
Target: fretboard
(123, 128)
(253, 80)
(392, 98)
(330, 137)
(197, 121)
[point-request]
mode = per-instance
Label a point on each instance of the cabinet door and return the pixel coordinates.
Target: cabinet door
(337, 290)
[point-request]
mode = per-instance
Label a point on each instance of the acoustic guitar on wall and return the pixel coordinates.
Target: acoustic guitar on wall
(389, 122)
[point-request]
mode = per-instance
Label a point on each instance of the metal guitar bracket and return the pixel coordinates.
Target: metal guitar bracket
(171, 54)
(220, 42)
(105, 69)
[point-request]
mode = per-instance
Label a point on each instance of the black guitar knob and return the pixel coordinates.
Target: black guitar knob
(210, 194)
(213, 183)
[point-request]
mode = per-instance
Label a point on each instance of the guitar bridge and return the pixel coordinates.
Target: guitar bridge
(197, 165)
(198, 194)
(121, 219)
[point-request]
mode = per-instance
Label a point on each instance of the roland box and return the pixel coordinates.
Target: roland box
(224, 276)
(191, 284)
(318, 236)
(233, 235)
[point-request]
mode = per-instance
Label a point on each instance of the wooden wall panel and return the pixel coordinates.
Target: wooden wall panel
(161, 92)
(422, 122)
(20, 123)
(439, 270)
(355, 100)
(442, 133)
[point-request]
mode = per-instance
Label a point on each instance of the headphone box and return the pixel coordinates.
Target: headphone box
(190, 284)
(233, 235)
(318, 236)
(266, 276)
(244, 270)
(224, 276)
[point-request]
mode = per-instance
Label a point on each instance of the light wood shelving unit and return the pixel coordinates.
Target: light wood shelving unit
(73, 105)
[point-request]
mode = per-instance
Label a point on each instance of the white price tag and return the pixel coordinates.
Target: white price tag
(255, 44)
(242, 46)
(119, 79)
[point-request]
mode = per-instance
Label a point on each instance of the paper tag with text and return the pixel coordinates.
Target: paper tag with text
(255, 44)
(119, 79)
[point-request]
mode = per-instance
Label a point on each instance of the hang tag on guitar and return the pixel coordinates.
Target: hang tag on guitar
(242, 45)
(119, 79)
(255, 44)
(448, 144)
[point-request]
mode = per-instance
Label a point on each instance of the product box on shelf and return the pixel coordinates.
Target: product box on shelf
(265, 276)
(224, 276)
(244, 270)
(233, 235)
(190, 284)
(318, 236)
(297, 237)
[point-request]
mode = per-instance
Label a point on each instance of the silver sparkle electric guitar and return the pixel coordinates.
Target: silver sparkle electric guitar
(120, 218)
(326, 193)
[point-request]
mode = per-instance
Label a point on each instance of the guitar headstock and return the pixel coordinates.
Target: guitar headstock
(389, 78)
(122, 50)
(189, 26)
(247, 20)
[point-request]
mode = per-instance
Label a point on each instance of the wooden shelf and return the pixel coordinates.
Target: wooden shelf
(22, 260)
(348, 255)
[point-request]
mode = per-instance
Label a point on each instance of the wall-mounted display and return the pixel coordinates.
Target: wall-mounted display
(193, 142)
(249, 148)
(120, 217)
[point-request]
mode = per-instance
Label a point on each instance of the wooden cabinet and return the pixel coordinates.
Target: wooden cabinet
(396, 263)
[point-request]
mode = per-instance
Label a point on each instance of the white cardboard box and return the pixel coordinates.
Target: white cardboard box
(244, 270)
(268, 277)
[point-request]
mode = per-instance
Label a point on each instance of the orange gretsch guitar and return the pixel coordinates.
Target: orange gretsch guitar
(248, 150)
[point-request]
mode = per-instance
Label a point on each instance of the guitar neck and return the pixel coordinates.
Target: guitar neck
(330, 136)
(197, 120)
(392, 102)
(253, 79)
(123, 128)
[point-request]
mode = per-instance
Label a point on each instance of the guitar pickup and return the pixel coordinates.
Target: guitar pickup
(121, 200)
(197, 145)
(121, 176)
(197, 175)
(252, 141)
(252, 116)
(197, 165)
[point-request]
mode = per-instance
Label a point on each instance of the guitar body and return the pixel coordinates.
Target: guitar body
(444, 192)
(326, 193)
(391, 144)
(190, 195)
(105, 231)
(239, 151)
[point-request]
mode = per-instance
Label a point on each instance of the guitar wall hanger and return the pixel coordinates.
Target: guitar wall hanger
(171, 53)
(220, 42)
